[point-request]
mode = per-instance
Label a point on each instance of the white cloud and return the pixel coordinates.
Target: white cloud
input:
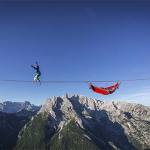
(141, 97)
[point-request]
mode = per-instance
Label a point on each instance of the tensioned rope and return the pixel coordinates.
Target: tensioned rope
(81, 81)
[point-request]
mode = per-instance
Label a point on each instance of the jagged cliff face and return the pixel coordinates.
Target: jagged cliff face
(100, 125)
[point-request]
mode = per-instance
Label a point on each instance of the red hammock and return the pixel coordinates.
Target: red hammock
(105, 91)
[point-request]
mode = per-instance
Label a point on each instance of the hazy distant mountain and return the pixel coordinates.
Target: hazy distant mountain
(13, 107)
(80, 123)
(13, 116)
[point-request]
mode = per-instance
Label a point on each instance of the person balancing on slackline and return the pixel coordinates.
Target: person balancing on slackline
(36, 67)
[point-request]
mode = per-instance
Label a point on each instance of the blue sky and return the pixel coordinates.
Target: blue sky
(75, 41)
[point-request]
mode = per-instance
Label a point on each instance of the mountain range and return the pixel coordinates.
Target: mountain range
(14, 107)
(81, 123)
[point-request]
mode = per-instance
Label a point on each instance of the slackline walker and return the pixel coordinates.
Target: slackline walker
(36, 67)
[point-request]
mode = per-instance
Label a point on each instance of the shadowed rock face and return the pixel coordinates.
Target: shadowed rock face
(10, 125)
(107, 125)
(13, 117)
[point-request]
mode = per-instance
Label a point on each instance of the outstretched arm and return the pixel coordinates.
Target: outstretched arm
(33, 66)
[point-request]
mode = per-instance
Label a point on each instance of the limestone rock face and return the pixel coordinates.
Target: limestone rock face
(110, 125)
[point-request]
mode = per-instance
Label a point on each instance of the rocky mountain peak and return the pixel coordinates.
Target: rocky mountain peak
(70, 105)
(132, 121)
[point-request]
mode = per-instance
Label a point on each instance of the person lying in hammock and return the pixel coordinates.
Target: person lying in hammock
(106, 90)
(36, 67)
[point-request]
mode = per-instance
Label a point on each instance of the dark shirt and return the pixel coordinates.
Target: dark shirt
(37, 68)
